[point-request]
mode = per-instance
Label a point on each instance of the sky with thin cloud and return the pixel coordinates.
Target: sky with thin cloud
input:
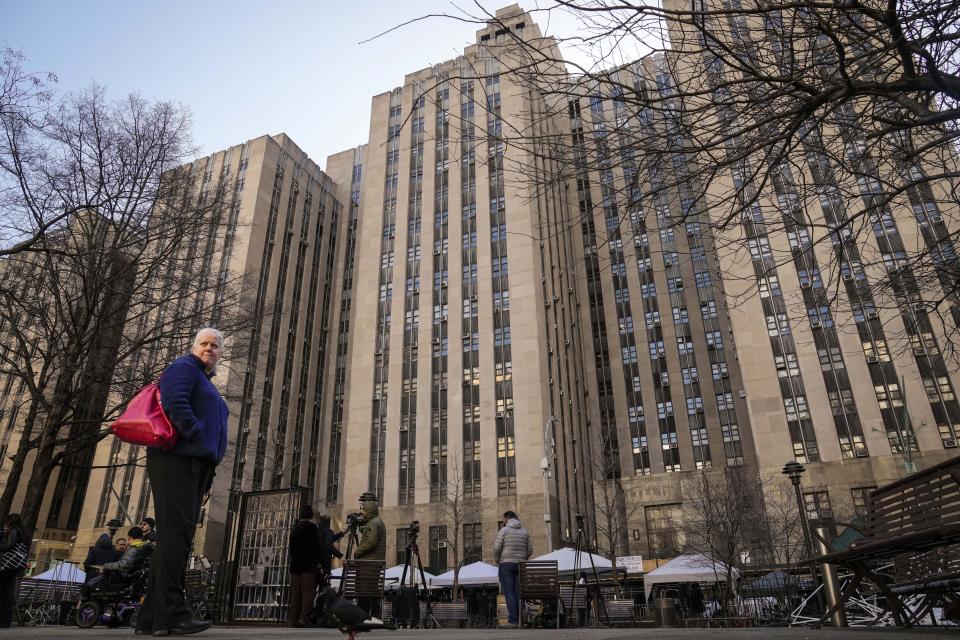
(247, 68)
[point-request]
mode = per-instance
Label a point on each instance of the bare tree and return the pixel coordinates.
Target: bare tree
(99, 304)
(25, 99)
(454, 506)
(816, 135)
(613, 511)
(783, 528)
(721, 513)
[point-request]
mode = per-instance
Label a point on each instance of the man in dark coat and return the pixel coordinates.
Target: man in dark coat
(305, 553)
(100, 554)
(328, 540)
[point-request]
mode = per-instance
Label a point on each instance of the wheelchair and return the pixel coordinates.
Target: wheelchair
(112, 598)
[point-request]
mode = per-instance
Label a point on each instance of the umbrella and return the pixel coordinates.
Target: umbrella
(566, 561)
(688, 568)
(776, 582)
(471, 575)
(64, 572)
(391, 577)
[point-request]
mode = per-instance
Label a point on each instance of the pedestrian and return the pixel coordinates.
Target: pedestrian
(99, 554)
(120, 544)
(149, 528)
(304, 559)
(329, 551)
(180, 478)
(372, 546)
(14, 547)
(512, 546)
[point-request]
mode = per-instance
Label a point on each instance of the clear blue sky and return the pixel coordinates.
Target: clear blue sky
(244, 68)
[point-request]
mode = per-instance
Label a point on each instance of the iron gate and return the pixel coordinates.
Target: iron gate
(261, 589)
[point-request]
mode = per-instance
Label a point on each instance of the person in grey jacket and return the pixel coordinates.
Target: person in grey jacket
(135, 555)
(513, 546)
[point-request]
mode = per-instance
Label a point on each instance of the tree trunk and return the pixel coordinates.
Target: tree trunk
(23, 448)
(44, 463)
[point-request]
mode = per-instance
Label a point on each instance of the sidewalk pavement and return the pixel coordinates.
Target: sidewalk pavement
(279, 633)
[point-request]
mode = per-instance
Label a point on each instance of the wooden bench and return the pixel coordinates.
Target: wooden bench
(363, 579)
(539, 580)
(907, 521)
(446, 614)
(616, 612)
(574, 602)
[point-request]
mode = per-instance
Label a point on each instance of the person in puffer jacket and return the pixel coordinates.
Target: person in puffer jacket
(513, 546)
(135, 555)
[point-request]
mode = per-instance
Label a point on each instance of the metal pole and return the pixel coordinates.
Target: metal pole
(548, 445)
(803, 517)
(830, 588)
(905, 438)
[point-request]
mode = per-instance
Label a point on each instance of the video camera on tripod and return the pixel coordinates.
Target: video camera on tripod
(408, 598)
(354, 520)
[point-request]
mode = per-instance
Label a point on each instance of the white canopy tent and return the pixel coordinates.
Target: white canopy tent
(471, 575)
(687, 568)
(63, 572)
(391, 577)
(566, 561)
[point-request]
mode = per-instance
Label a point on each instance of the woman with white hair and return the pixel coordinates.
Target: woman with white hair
(180, 477)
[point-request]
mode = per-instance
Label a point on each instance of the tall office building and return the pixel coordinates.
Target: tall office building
(456, 304)
(466, 350)
(636, 333)
(282, 241)
(841, 345)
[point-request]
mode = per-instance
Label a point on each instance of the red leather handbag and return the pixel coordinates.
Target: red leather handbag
(143, 422)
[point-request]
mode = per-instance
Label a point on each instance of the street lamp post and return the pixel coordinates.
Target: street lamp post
(794, 470)
(113, 524)
(545, 466)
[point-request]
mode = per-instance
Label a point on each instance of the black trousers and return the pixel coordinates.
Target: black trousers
(178, 485)
(8, 596)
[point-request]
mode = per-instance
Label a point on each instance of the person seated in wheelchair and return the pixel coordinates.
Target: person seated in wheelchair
(124, 570)
(136, 554)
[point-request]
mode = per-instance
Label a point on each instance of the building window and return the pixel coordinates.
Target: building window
(402, 540)
(663, 540)
(860, 497)
(438, 549)
(817, 504)
(472, 543)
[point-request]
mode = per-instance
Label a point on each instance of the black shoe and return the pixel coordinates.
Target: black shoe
(187, 627)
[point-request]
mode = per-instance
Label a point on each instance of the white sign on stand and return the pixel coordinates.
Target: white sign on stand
(631, 564)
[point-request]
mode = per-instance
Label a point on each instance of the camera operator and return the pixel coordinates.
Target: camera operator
(372, 545)
(373, 533)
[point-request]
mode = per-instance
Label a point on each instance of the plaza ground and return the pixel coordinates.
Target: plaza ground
(279, 633)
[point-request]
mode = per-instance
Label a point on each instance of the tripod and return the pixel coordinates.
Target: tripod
(411, 556)
(352, 541)
(583, 545)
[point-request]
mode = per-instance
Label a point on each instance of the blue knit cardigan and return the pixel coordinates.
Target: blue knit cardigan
(196, 409)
